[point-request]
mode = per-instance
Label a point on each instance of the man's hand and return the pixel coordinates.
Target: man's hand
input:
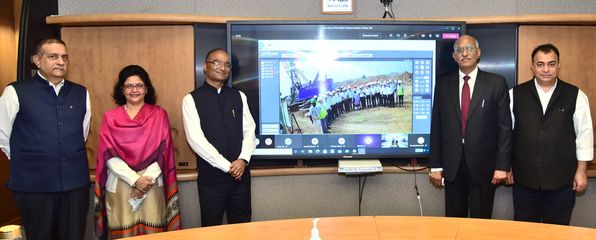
(237, 169)
(509, 177)
(499, 177)
(436, 178)
(580, 181)
(144, 184)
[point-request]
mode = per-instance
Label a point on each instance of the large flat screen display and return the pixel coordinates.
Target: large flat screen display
(332, 90)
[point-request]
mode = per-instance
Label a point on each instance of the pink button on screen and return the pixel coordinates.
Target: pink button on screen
(450, 35)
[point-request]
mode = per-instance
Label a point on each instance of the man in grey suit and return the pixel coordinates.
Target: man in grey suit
(470, 134)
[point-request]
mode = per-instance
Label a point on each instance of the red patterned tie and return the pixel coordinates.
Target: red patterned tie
(465, 104)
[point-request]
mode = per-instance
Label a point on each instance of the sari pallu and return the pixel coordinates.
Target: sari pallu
(139, 142)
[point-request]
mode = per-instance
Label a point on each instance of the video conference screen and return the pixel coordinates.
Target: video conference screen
(334, 90)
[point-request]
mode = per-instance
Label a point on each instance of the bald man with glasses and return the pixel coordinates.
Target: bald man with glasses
(220, 129)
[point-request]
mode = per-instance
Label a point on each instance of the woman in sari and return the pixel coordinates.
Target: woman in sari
(135, 179)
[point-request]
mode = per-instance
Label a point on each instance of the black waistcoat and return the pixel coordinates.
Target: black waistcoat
(221, 122)
(544, 154)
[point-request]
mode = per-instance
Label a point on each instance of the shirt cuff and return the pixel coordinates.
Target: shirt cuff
(7, 153)
(584, 155)
(436, 169)
(122, 170)
(153, 171)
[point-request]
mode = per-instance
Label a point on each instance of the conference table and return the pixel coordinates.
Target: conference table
(381, 227)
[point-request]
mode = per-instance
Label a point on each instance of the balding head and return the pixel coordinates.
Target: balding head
(466, 52)
(466, 37)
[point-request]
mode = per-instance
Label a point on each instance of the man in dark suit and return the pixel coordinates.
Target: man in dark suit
(553, 142)
(470, 134)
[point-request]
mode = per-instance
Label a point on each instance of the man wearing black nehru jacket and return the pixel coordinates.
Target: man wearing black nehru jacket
(220, 129)
(552, 142)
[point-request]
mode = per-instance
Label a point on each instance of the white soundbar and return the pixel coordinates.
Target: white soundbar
(359, 166)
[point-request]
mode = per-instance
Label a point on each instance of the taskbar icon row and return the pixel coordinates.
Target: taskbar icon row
(343, 142)
(318, 151)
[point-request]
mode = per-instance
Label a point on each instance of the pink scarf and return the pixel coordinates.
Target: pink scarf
(139, 142)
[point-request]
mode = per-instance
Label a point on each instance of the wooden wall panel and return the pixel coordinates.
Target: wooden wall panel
(97, 54)
(8, 44)
(8, 73)
(577, 50)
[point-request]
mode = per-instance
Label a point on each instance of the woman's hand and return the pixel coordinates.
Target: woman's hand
(144, 184)
(138, 194)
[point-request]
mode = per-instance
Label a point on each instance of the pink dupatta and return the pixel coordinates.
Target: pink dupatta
(139, 142)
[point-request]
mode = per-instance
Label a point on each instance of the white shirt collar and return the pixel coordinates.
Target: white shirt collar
(539, 88)
(56, 87)
(545, 96)
(472, 74)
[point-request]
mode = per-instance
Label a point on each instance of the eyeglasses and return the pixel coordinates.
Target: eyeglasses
(138, 86)
(218, 64)
(469, 48)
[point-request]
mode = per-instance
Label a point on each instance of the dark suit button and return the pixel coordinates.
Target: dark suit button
(230, 141)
